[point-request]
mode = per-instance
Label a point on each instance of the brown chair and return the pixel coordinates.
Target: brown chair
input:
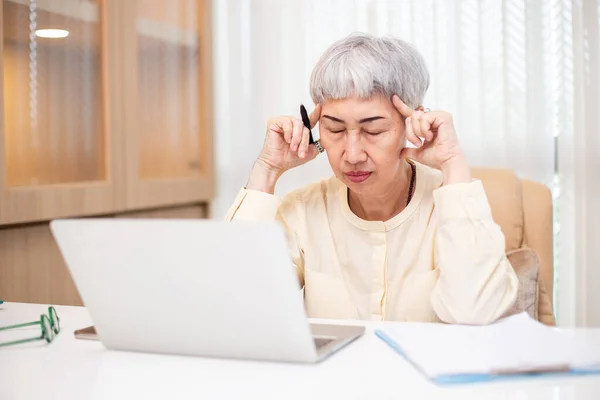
(523, 209)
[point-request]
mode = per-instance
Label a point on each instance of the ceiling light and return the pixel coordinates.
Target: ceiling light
(51, 33)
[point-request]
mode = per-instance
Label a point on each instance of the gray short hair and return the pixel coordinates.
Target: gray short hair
(362, 65)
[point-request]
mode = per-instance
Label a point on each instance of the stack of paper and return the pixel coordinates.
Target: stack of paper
(511, 346)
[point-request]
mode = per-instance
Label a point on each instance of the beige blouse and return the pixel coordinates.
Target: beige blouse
(441, 258)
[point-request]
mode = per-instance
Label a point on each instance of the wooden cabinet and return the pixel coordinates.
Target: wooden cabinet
(169, 156)
(116, 116)
(110, 117)
(33, 270)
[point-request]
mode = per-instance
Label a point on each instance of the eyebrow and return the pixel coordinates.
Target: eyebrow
(362, 121)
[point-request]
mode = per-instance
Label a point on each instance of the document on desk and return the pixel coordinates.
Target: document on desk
(516, 345)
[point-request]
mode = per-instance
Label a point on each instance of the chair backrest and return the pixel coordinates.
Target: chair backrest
(523, 209)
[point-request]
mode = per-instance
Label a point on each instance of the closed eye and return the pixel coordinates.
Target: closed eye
(339, 131)
(373, 133)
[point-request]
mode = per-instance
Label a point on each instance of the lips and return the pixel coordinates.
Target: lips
(358, 176)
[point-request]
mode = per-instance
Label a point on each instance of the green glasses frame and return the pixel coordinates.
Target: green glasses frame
(50, 325)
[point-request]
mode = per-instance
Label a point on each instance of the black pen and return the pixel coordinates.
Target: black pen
(306, 122)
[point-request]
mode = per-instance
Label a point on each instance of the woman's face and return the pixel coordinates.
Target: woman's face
(363, 139)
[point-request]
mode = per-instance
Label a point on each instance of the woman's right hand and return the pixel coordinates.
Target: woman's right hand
(286, 146)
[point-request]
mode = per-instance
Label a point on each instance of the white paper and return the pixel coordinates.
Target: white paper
(511, 345)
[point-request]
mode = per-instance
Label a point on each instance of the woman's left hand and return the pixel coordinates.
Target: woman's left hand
(440, 148)
(440, 143)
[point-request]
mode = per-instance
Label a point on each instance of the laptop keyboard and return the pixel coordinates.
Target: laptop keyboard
(320, 342)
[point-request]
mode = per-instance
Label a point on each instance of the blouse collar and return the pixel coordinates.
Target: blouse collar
(395, 221)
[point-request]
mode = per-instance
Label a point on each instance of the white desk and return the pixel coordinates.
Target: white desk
(70, 368)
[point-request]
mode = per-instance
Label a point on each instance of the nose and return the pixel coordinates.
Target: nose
(354, 151)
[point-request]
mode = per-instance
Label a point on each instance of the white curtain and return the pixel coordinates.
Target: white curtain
(504, 68)
(578, 213)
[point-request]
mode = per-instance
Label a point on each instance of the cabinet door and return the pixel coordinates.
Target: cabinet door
(59, 154)
(167, 48)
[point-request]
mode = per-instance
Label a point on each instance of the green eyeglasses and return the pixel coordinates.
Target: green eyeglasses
(49, 323)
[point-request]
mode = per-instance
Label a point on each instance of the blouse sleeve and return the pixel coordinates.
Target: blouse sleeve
(476, 283)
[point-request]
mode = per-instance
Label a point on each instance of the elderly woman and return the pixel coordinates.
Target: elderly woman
(398, 233)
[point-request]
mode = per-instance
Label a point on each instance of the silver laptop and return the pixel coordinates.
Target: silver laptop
(194, 287)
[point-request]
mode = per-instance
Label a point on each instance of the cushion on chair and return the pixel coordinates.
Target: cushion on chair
(526, 265)
(538, 232)
(532, 296)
